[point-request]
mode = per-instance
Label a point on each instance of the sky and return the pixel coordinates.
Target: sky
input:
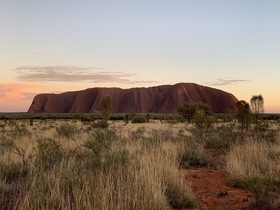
(53, 46)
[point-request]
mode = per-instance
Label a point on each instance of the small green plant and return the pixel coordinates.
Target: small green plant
(224, 136)
(116, 158)
(67, 130)
(100, 124)
(10, 144)
(100, 144)
(193, 154)
(177, 195)
(18, 131)
(48, 153)
(86, 119)
(13, 171)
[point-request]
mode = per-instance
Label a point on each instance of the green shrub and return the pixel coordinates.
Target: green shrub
(9, 144)
(217, 143)
(193, 155)
(17, 131)
(138, 119)
(86, 119)
(105, 135)
(100, 124)
(12, 171)
(116, 158)
(100, 145)
(225, 136)
(67, 130)
(49, 153)
(188, 110)
(177, 195)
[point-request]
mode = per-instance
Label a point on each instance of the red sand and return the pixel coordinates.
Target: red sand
(213, 193)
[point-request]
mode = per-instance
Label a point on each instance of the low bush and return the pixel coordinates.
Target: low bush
(100, 124)
(67, 130)
(13, 171)
(193, 154)
(18, 131)
(138, 119)
(48, 153)
(177, 195)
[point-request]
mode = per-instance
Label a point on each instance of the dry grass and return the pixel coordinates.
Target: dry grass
(255, 165)
(91, 169)
(67, 164)
(255, 158)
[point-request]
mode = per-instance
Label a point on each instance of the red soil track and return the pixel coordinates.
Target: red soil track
(213, 194)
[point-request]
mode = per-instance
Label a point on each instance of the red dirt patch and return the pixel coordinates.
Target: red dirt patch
(213, 193)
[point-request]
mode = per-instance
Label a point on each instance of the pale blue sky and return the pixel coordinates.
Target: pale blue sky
(55, 46)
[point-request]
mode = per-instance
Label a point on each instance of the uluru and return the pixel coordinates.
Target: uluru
(157, 99)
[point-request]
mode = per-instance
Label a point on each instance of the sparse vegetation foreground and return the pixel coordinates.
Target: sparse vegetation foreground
(72, 165)
(133, 163)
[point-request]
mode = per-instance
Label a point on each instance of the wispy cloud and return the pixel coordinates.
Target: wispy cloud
(74, 74)
(227, 81)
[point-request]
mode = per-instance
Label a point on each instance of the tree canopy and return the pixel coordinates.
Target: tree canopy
(188, 110)
(257, 106)
(106, 107)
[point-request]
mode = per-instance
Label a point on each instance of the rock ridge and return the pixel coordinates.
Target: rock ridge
(157, 99)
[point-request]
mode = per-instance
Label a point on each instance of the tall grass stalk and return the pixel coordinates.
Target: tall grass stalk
(255, 165)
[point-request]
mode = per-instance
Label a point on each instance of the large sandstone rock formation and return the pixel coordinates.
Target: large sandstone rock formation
(164, 99)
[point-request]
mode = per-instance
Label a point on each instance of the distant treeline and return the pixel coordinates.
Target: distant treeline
(114, 116)
(84, 116)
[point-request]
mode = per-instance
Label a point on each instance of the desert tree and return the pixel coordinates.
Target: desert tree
(243, 113)
(257, 106)
(106, 107)
(187, 111)
(203, 122)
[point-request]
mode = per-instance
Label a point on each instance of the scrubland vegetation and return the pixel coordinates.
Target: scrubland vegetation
(132, 163)
(73, 165)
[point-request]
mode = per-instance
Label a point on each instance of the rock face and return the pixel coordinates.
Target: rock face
(159, 99)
